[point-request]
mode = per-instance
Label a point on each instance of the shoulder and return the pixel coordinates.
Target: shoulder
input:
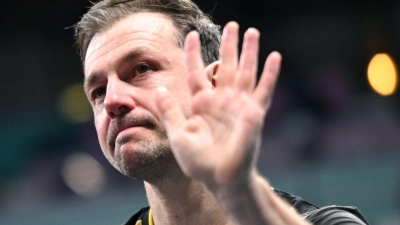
(141, 217)
(336, 215)
(328, 215)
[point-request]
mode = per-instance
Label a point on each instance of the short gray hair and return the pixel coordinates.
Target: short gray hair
(185, 15)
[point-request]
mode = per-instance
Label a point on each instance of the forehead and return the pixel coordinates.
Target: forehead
(146, 29)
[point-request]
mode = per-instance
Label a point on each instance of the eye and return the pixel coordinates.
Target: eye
(99, 92)
(143, 68)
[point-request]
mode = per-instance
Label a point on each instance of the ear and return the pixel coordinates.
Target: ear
(211, 71)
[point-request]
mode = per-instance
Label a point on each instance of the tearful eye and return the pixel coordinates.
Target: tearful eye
(143, 68)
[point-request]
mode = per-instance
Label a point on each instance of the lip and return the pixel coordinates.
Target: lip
(125, 128)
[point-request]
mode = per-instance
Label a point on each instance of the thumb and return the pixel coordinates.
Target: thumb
(169, 110)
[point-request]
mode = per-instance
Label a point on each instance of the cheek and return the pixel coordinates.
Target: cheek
(101, 128)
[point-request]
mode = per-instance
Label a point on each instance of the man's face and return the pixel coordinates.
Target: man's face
(123, 68)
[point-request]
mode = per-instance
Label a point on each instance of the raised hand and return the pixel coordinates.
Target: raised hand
(219, 143)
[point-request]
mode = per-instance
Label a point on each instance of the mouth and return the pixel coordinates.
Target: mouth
(128, 134)
(118, 129)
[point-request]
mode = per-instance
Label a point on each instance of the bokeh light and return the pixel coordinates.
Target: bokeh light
(73, 104)
(83, 174)
(382, 74)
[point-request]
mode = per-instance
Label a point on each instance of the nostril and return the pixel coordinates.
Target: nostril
(118, 111)
(122, 107)
(111, 115)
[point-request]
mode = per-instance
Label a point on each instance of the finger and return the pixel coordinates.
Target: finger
(196, 76)
(228, 55)
(265, 88)
(247, 71)
(169, 110)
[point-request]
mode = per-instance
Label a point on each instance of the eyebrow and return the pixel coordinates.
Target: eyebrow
(93, 77)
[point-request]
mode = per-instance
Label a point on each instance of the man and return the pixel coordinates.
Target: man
(191, 133)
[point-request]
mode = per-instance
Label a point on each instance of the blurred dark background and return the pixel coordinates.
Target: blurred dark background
(329, 137)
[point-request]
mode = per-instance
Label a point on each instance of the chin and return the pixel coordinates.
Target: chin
(144, 162)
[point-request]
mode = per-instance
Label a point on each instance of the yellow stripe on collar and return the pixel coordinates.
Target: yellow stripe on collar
(151, 222)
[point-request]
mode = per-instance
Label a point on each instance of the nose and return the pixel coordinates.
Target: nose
(118, 100)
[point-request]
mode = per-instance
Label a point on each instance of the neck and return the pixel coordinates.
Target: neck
(183, 201)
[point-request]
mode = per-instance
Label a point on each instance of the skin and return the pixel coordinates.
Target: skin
(151, 110)
(129, 131)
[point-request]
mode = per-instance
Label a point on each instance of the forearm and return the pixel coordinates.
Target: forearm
(256, 203)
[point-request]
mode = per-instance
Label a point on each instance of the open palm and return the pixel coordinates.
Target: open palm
(218, 144)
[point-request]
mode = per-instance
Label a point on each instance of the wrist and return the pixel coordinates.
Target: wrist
(243, 201)
(237, 190)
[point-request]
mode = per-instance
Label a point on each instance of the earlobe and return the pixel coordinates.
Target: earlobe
(211, 71)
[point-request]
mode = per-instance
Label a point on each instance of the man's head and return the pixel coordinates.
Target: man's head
(185, 15)
(129, 52)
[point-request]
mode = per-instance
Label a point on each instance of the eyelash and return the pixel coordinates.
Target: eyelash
(95, 91)
(142, 65)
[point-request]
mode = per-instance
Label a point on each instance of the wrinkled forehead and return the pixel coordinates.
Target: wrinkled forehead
(146, 26)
